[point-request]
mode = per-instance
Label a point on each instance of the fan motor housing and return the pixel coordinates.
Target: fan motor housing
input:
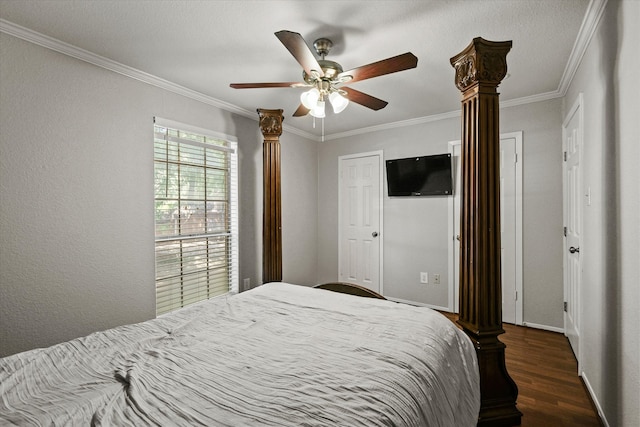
(331, 69)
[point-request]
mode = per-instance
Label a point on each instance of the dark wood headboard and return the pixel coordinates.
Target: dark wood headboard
(350, 288)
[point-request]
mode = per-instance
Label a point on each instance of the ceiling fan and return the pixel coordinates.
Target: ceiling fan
(326, 78)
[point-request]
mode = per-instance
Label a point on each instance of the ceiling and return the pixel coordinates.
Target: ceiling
(203, 46)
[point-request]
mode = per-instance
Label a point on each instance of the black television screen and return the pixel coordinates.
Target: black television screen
(420, 176)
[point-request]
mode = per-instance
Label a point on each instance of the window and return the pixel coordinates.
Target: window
(196, 215)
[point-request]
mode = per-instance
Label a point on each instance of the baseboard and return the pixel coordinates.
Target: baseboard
(543, 327)
(593, 398)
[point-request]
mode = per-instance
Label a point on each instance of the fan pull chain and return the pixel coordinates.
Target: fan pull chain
(314, 126)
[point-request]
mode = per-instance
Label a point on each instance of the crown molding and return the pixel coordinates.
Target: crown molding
(111, 65)
(108, 64)
(531, 99)
(442, 116)
(587, 29)
(393, 125)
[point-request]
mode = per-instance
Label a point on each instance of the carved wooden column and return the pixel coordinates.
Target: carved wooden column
(271, 127)
(479, 70)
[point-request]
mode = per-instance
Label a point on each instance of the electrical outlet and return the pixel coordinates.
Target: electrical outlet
(436, 279)
(247, 284)
(424, 277)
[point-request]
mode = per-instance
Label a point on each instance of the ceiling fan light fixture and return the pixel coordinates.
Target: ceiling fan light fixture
(338, 102)
(318, 110)
(324, 77)
(310, 98)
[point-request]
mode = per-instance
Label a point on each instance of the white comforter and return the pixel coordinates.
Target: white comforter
(279, 355)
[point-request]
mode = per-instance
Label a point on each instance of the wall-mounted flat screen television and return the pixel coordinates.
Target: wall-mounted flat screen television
(420, 176)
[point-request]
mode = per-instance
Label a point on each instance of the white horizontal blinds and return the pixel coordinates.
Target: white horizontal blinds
(195, 215)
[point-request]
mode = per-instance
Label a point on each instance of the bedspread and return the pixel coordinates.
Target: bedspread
(278, 355)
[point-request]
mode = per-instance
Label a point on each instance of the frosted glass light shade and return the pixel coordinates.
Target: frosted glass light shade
(310, 98)
(318, 110)
(338, 102)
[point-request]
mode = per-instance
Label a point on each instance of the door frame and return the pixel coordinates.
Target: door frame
(380, 238)
(576, 108)
(454, 288)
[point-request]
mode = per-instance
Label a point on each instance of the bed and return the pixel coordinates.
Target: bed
(278, 355)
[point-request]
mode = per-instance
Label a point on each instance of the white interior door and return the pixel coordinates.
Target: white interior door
(511, 225)
(454, 228)
(508, 226)
(360, 219)
(572, 141)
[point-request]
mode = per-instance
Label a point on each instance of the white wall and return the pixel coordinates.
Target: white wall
(610, 300)
(299, 176)
(542, 232)
(76, 195)
(415, 229)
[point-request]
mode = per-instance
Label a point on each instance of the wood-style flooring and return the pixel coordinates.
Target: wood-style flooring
(550, 393)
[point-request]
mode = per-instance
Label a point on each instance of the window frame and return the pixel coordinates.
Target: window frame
(224, 239)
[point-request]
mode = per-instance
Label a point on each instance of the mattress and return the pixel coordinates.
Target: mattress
(278, 355)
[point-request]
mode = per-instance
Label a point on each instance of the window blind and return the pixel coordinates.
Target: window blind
(196, 214)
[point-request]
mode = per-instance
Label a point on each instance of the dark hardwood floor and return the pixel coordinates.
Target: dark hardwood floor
(550, 393)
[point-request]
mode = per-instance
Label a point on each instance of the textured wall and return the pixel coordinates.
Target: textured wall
(542, 270)
(416, 229)
(76, 195)
(610, 321)
(299, 177)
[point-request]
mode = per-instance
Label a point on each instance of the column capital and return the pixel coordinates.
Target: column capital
(270, 123)
(482, 62)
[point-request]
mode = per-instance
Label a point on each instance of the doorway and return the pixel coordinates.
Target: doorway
(510, 222)
(360, 218)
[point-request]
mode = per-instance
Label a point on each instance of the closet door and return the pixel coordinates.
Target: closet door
(360, 234)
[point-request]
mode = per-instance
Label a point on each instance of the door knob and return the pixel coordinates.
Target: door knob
(374, 234)
(574, 250)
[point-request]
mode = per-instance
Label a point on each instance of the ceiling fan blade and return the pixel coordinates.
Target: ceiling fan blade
(301, 111)
(386, 66)
(300, 51)
(364, 99)
(262, 85)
